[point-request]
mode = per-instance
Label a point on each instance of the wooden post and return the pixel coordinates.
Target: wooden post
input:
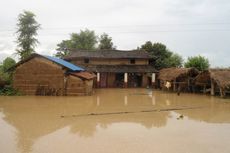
(212, 87)
(174, 85)
(126, 80)
(222, 92)
(98, 80)
(204, 89)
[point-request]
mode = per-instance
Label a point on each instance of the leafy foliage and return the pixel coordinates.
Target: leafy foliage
(62, 49)
(7, 76)
(9, 91)
(159, 53)
(105, 42)
(162, 57)
(199, 62)
(175, 60)
(27, 28)
(84, 40)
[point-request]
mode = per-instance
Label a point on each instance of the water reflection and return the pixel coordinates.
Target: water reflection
(36, 117)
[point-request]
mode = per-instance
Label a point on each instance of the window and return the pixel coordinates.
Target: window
(132, 61)
(86, 60)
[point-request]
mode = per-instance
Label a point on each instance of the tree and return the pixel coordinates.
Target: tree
(105, 42)
(83, 40)
(159, 53)
(27, 28)
(7, 63)
(63, 47)
(199, 62)
(175, 60)
(86, 40)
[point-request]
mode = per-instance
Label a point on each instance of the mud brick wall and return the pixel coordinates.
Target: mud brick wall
(38, 72)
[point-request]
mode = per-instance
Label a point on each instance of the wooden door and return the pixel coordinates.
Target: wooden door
(103, 80)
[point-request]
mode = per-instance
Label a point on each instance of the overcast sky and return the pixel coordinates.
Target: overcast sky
(188, 27)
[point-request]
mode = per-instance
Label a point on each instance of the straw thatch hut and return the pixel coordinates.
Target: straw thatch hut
(217, 80)
(46, 75)
(177, 78)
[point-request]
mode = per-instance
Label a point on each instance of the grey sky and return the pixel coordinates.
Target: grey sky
(188, 27)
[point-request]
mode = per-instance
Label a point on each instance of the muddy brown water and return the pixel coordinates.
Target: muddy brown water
(115, 121)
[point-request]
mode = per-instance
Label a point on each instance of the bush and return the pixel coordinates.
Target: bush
(9, 91)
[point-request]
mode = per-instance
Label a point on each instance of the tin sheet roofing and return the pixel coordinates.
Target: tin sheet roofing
(58, 61)
(64, 63)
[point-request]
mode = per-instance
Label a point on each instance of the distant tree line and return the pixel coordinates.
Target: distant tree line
(85, 40)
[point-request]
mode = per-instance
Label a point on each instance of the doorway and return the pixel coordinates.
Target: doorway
(119, 80)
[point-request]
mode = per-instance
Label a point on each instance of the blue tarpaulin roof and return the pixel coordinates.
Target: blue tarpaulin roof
(64, 63)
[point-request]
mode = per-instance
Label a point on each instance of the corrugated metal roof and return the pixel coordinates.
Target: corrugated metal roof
(64, 63)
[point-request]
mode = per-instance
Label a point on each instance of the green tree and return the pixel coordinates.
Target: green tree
(159, 53)
(199, 62)
(27, 28)
(7, 63)
(85, 40)
(63, 47)
(105, 42)
(175, 60)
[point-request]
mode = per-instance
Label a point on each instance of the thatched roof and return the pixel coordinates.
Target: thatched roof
(120, 68)
(109, 54)
(221, 77)
(203, 78)
(170, 74)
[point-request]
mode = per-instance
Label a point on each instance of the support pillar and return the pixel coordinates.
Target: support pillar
(98, 80)
(153, 79)
(125, 80)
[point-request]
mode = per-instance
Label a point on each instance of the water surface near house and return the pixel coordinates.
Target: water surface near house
(115, 121)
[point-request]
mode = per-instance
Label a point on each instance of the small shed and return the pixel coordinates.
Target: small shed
(46, 75)
(214, 81)
(177, 78)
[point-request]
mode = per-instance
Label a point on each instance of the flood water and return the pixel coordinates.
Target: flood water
(115, 121)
